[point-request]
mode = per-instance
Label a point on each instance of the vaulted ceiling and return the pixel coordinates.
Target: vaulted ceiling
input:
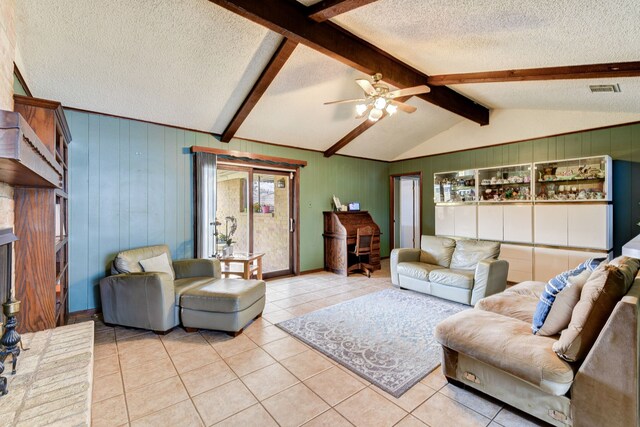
(191, 63)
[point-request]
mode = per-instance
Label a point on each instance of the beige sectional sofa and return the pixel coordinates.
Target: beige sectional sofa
(464, 271)
(586, 376)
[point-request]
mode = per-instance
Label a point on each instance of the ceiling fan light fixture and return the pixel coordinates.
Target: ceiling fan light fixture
(380, 103)
(361, 108)
(375, 114)
(391, 109)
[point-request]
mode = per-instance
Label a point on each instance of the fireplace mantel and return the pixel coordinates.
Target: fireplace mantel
(24, 159)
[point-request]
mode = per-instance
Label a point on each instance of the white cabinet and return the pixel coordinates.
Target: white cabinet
(445, 221)
(518, 223)
(457, 220)
(589, 226)
(465, 221)
(576, 225)
(490, 222)
(550, 225)
(551, 262)
(520, 259)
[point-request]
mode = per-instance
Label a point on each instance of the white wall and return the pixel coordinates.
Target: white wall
(515, 125)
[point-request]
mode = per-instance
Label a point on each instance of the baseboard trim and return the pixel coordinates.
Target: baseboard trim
(315, 270)
(85, 313)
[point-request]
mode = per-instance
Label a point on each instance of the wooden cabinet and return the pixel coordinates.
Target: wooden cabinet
(41, 224)
(340, 229)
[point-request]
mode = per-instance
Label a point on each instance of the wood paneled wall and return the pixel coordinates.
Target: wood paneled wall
(622, 143)
(131, 185)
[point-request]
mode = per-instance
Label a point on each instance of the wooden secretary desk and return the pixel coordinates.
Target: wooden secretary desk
(340, 232)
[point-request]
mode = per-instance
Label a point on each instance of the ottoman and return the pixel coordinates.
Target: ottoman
(222, 305)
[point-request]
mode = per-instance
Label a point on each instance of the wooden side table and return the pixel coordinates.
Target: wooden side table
(249, 263)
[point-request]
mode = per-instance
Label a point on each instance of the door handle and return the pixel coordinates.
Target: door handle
(291, 225)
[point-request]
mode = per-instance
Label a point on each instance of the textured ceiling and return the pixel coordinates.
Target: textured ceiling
(291, 111)
(186, 63)
(190, 63)
(455, 36)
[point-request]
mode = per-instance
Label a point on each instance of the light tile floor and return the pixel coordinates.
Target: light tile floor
(265, 377)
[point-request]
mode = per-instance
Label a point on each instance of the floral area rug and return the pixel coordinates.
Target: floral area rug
(385, 337)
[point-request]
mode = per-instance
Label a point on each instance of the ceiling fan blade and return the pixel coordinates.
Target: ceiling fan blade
(367, 86)
(410, 91)
(404, 107)
(344, 101)
(365, 113)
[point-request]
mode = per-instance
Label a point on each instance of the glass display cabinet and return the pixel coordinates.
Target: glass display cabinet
(505, 183)
(454, 187)
(585, 179)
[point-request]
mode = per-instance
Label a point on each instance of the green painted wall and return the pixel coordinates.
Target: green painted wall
(621, 143)
(131, 185)
(17, 87)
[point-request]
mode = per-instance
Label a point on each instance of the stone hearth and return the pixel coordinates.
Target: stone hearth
(54, 379)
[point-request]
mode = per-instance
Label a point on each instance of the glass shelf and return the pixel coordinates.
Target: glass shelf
(584, 179)
(454, 187)
(505, 183)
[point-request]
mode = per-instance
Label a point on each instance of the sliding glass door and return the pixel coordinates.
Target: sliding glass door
(255, 209)
(232, 208)
(272, 221)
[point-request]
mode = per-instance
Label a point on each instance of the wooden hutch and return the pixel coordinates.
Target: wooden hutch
(41, 223)
(340, 230)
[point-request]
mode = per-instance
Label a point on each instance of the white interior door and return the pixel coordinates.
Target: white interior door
(409, 212)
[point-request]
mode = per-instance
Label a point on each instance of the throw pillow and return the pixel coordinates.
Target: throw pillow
(159, 264)
(629, 267)
(599, 297)
(561, 309)
(553, 288)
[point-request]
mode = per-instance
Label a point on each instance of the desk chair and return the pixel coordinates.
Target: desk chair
(363, 247)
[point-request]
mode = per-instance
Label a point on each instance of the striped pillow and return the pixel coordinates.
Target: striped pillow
(553, 288)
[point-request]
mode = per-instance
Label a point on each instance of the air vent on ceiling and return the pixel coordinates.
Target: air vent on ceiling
(604, 88)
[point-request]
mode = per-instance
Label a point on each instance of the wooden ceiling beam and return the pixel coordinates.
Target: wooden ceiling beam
(328, 9)
(291, 20)
(277, 61)
(572, 72)
(359, 130)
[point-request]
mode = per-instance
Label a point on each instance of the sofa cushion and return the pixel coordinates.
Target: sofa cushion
(159, 264)
(468, 253)
(436, 250)
(129, 261)
(507, 344)
(556, 285)
(223, 295)
(529, 287)
(456, 278)
(603, 290)
(513, 305)
(560, 314)
(183, 285)
(417, 270)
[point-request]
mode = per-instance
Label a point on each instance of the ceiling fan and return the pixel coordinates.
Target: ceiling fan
(378, 99)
